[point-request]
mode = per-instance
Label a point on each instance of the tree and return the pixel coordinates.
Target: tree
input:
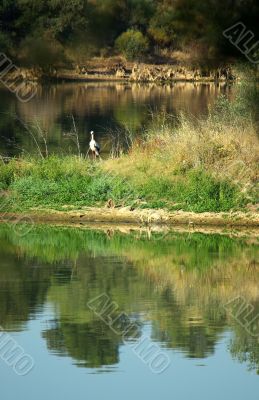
(132, 44)
(161, 26)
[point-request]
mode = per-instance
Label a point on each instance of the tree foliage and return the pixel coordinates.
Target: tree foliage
(132, 44)
(94, 25)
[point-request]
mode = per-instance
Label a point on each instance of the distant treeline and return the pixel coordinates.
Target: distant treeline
(44, 32)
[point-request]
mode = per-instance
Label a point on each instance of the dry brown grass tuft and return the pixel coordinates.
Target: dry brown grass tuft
(224, 151)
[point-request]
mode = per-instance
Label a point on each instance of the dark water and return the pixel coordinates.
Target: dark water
(178, 289)
(107, 108)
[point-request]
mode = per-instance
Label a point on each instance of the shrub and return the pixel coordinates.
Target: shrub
(132, 44)
(202, 192)
(196, 191)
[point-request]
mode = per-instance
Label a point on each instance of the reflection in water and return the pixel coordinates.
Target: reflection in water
(103, 107)
(177, 285)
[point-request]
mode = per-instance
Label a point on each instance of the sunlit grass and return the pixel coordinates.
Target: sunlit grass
(210, 164)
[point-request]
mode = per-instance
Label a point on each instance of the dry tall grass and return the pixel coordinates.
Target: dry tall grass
(225, 151)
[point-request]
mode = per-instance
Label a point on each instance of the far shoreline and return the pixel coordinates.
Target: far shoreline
(118, 69)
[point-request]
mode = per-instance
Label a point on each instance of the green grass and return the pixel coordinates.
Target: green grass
(58, 181)
(195, 191)
(54, 183)
(206, 165)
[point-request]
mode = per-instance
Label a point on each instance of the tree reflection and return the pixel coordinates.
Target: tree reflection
(104, 107)
(180, 284)
(92, 345)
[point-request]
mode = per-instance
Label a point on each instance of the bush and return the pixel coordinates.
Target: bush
(196, 191)
(132, 44)
(202, 192)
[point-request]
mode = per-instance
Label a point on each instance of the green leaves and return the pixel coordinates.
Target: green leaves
(132, 44)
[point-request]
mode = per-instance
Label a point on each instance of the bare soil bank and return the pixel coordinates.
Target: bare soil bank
(147, 217)
(118, 69)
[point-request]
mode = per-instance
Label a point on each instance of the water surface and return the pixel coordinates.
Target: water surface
(174, 286)
(107, 108)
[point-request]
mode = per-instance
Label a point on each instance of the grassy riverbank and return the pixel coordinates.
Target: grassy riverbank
(206, 165)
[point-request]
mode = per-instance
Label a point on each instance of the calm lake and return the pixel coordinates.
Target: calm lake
(107, 108)
(183, 292)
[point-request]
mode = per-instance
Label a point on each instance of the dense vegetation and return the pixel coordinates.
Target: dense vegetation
(202, 165)
(43, 32)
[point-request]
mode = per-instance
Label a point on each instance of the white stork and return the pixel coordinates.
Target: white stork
(94, 146)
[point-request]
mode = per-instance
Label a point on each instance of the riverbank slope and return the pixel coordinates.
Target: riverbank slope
(179, 166)
(119, 69)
